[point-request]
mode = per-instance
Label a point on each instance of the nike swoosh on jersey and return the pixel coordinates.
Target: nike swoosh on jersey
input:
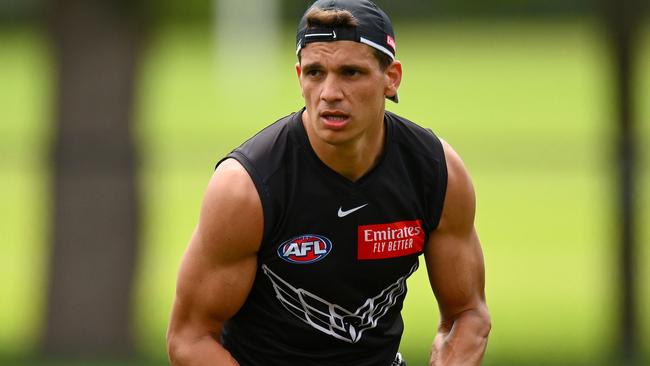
(347, 212)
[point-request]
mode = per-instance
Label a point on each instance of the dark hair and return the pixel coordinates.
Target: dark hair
(317, 17)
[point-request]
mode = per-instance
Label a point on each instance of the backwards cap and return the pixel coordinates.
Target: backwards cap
(374, 27)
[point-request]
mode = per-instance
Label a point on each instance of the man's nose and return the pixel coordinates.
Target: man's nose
(331, 91)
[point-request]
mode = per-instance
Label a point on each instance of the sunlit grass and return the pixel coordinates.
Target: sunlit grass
(24, 127)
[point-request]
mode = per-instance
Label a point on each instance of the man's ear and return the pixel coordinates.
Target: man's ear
(299, 73)
(393, 78)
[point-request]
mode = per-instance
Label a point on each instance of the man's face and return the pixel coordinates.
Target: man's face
(344, 90)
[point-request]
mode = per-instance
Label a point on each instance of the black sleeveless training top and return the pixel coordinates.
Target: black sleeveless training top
(335, 255)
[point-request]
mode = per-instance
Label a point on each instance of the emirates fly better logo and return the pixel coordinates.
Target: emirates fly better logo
(391, 240)
(305, 249)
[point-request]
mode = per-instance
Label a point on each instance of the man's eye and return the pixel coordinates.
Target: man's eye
(351, 72)
(314, 73)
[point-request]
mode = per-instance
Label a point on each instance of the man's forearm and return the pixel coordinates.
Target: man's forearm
(205, 351)
(462, 341)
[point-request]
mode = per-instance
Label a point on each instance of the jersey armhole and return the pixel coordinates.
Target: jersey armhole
(260, 186)
(441, 184)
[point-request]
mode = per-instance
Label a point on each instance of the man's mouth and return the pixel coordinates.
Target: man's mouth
(334, 119)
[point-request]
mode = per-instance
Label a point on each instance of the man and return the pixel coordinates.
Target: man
(309, 230)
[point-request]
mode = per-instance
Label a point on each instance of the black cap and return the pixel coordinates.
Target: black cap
(373, 29)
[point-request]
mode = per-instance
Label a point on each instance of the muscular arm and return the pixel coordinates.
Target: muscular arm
(217, 270)
(456, 272)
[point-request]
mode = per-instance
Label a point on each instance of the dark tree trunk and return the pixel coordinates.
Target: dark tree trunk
(95, 211)
(622, 19)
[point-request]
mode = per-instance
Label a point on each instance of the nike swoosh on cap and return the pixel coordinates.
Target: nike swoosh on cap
(347, 212)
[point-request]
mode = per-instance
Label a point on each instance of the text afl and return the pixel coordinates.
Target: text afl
(305, 249)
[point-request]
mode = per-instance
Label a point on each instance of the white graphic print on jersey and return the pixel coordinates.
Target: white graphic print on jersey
(333, 319)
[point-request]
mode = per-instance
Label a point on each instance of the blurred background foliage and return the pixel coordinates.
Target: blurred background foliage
(192, 11)
(522, 89)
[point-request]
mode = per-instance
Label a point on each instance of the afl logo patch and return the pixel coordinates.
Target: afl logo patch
(305, 249)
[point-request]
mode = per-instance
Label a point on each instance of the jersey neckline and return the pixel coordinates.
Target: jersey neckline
(303, 139)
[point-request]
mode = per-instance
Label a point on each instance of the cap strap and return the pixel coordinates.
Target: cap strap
(378, 47)
(328, 34)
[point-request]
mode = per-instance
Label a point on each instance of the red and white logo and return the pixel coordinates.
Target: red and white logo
(305, 249)
(391, 240)
(391, 42)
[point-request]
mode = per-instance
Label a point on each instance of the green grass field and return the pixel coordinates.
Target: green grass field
(525, 104)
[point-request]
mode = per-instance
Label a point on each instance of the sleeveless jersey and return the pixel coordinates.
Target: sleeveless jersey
(335, 254)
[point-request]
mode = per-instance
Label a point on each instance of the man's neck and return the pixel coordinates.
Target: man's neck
(354, 159)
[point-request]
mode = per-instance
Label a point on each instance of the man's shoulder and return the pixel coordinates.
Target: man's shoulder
(413, 136)
(264, 152)
(274, 129)
(269, 140)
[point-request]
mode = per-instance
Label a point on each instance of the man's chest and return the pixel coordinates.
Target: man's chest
(363, 239)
